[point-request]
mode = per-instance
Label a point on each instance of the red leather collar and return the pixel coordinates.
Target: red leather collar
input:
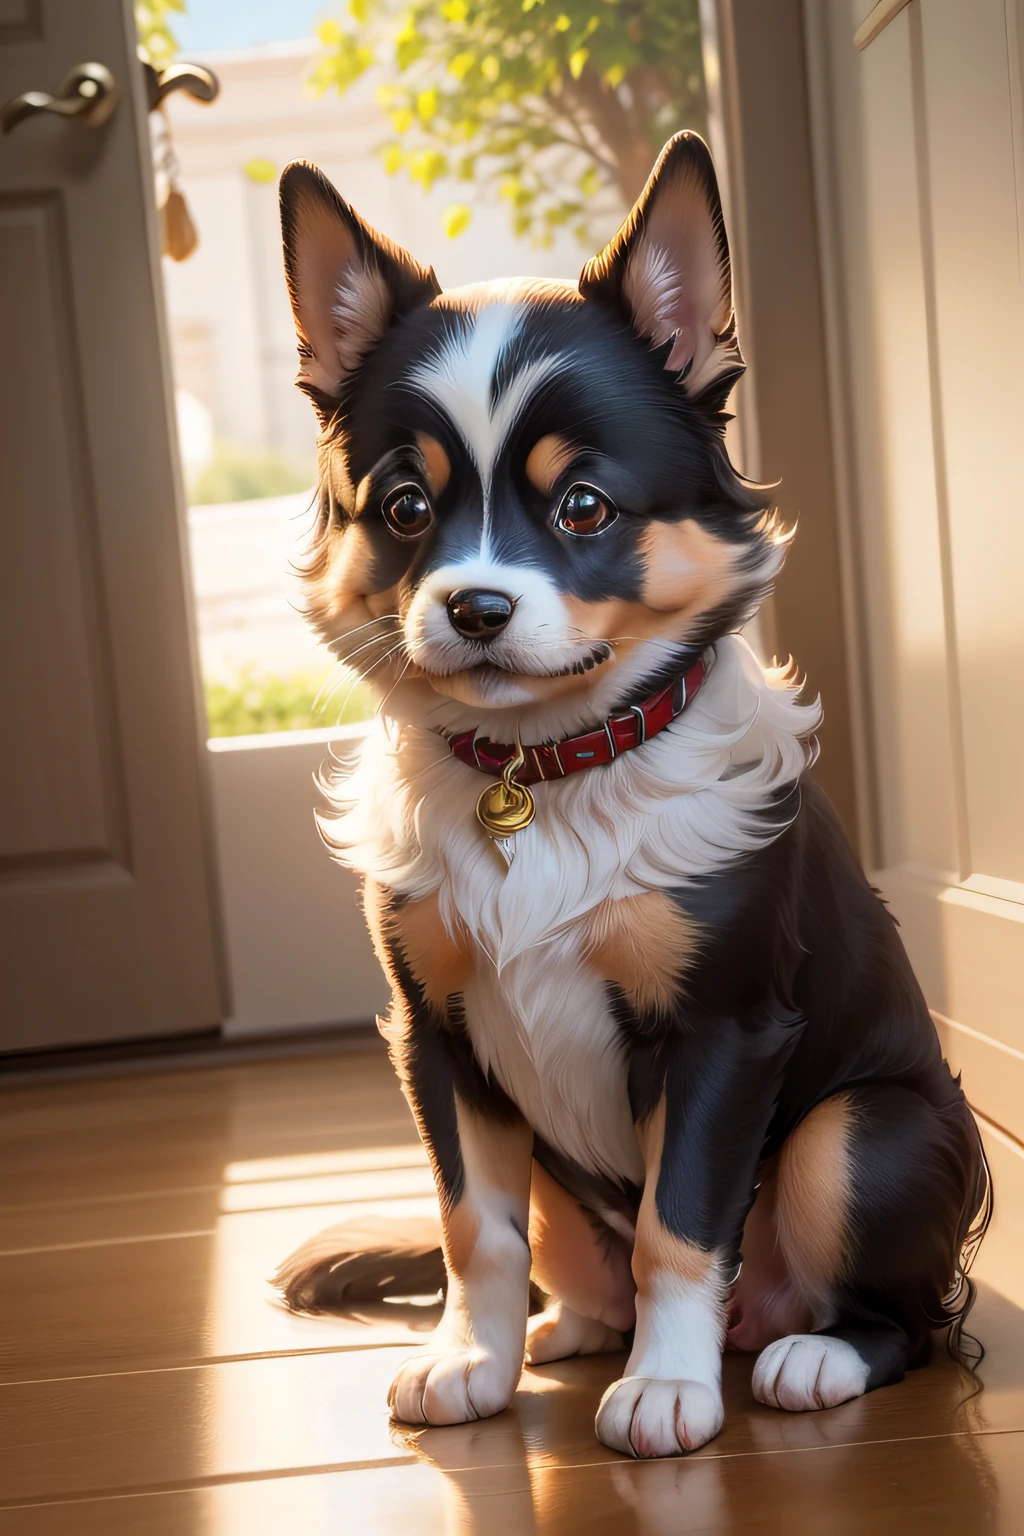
(619, 734)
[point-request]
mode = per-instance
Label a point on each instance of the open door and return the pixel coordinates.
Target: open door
(107, 927)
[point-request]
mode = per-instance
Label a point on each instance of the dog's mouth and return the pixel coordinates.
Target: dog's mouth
(495, 667)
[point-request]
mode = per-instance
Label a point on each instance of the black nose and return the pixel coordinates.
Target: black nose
(479, 615)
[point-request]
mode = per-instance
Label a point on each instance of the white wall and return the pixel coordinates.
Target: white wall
(298, 951)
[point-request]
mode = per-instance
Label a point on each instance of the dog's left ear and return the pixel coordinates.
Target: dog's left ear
(667, 271)
(347, 283)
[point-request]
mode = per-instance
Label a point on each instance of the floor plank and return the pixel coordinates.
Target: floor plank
(174, 1301)
(949, 1486)
(165, 1130)
(390, 1173)
(145, 1429)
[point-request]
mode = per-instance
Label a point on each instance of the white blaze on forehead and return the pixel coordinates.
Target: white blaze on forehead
(459, 377)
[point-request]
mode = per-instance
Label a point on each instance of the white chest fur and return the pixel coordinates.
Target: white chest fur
(544, 1027)
(684, 805)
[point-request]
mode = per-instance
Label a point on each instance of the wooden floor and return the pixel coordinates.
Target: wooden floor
(150, 1385)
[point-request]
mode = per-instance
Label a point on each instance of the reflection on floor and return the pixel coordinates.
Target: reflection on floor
(148, 1383)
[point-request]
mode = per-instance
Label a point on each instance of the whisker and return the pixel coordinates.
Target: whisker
(367, 645)
(385, 618)
(378, 620)
(360, 677)
(343, 665)
(398, 679)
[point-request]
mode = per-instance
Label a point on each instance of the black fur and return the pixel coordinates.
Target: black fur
(435, 1064)
(803, 989)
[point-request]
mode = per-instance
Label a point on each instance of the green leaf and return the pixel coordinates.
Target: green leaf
(590, 182)
(482, 90)
(426, 165)
(260, 169)
(455, 219)
(409, 42)
(461, 65)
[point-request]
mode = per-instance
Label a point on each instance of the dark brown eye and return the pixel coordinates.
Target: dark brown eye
(584, 512)
(407, 512)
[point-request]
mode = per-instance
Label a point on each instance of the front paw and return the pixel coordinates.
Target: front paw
(644, 1416)
(453, 1388)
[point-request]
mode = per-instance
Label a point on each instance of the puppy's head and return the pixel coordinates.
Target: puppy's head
(524, 486)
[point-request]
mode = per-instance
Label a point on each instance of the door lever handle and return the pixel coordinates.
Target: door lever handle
(88, 96)
(200, 83)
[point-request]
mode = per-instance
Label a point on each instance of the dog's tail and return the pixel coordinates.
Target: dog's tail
(363, 1261)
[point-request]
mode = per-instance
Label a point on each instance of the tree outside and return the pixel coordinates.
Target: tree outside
(558, 106)
(154, 25)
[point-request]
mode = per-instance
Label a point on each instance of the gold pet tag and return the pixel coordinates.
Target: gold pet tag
(506, 807)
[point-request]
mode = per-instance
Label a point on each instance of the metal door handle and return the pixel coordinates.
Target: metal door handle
(88, 96)
(200, 83)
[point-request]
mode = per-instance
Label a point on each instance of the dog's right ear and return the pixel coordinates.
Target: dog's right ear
(347, 283)
(667, 272)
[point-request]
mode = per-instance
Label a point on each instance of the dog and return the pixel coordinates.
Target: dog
(660, 1037)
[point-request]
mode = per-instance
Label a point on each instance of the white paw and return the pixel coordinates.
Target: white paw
(643, 1416)
(807, 1370)
(559, 1332)
(453, 1388)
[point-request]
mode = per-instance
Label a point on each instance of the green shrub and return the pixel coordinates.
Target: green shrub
(237, 473)
(254, 703)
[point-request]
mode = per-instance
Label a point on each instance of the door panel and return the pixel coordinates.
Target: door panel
(919, 151)
(967, 133)
(19, 20)
(53, 632)
(106, 918)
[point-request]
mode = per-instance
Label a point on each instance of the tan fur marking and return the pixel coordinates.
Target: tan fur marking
(337, 602)
(435, 462)
(496, 1158)
(643, 944)
(362, 494)
(440, 966)
(380, 603)
(685, 566)
(625, 624)
(813, 1193)
(687, 572)
(461, 1229)
(548, 460)
(377, 911)
(658, 1252)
